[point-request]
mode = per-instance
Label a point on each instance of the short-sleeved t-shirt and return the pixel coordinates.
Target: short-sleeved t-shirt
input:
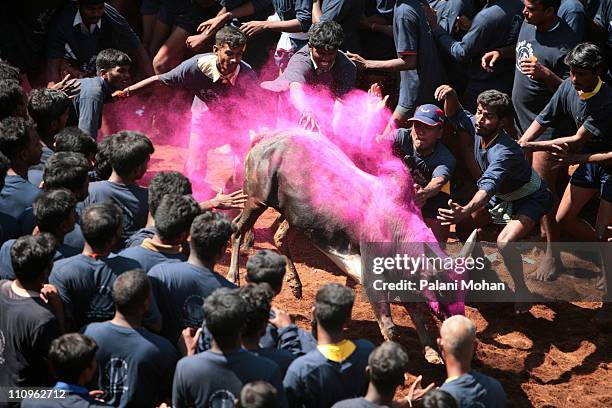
(413, 36)
(73, 239)
(595, 113)
(440, 163)
(448, 11)
(347, 13)
(604, 18)
(530, 96)
(474, 389)
(357, 403)
(314, 381)
(283, 358)
(209, 379)
(148, 258)
(135, 366)
(132, 199)
(181, 288)
(17, 195)
(207, 93)
(35, 172)
(85, 286)
(572, 12)
(27, 328)
(89, 104)
(69, 40)
(6, 264)
(295, 9)
(136, 238)
(340, 79)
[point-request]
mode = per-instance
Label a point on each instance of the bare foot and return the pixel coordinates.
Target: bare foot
(548, 269)
(432, 356)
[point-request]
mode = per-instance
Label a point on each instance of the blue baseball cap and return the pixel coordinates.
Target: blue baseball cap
(428, 114)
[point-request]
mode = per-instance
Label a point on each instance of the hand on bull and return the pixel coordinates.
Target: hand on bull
(235, 200)
(415, 393)
(309, 122)
(70, 87)
(453, 215)
(420, 195)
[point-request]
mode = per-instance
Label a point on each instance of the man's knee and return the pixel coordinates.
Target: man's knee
(162, 61)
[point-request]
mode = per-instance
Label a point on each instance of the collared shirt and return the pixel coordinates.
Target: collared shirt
(78, 21)
(208, 65)
(316, 67)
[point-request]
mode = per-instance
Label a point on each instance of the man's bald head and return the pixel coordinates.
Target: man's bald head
(458, 335)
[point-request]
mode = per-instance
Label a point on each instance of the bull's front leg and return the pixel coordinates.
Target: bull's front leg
(382, 312)
(281, 240)
(426, 329)
(246, 221)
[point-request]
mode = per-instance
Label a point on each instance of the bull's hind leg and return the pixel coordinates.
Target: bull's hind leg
(281, 240)
(382, 312)
(426, 329)
(246, 221)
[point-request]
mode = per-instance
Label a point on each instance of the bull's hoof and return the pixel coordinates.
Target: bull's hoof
(297, 291)
(432, 356)
(248, 240)
(389, 332)
(234, 278)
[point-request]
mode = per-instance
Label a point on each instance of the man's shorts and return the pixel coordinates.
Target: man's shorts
(430, 209)
(534, 206)
(158, 8)
(593, 175)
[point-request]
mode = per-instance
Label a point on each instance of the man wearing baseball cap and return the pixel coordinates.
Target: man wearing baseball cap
(431, 164)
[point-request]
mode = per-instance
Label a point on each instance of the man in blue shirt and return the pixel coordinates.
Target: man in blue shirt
(82, 30)
(182, 287)
(574, 14)
(72, 358)
(418, 60)
(129, 157)
(21, 145)
(335, 370)
(113, 73)
(495, 26)
(84, 281)
(347, 13)
(172, 223)
(430, 163)
(509, 188)
(469, 388)
(135, 366)
(215, 377)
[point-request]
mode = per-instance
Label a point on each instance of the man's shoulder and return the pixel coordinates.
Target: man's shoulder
(91, 87)
(364, 346)
(70, 266)
(119, 263)
(406, 9)
(169, 270)
(345, 62)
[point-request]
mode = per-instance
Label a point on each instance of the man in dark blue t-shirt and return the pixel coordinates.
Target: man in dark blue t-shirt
(418, 60)
(510, 192)
(54, 213)
(182, 287)
(21, 145)
(84, 281)
(113, 73)
(574, 14)
(496, 25)
(430, 163)
(135, 366)
(83, 29)
(335, 370)
(172, 223)
(347, 13)
(215, 377)
(129, 158)
(469, 388)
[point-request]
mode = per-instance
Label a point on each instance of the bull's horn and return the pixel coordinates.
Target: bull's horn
(469, 245)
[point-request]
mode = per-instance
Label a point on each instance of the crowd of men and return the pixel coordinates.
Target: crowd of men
(109, 291)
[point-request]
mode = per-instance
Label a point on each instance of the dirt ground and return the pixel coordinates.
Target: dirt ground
(553, 356)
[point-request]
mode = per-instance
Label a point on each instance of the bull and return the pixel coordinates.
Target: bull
(319, 191)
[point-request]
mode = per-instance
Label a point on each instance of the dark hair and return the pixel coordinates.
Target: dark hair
(258, 300)
(210, 232)
(388, 363)
(128, 151)
(555, 4)
(14, 135)
(498, 102)
(131, 290)
(73, 139)
(225, 315)
(333, 306)
(325, 35)
(70, 355)
(438, 398)
(66, 170)
(266, 266)
(167, 182)
(46, 106)
(103, 166)
(259, 394)
(111, 58)
(7, 71)
(32, 255)
(11, 96)
(231, 36)
(51, 208)
(100, 224)
(175, 215)
(5, 164)
(586, 56)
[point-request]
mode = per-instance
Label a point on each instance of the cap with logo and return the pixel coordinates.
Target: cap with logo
(429, 114)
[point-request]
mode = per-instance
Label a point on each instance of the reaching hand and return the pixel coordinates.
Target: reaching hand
(309, 122)
(122, 94)
(281, 318)
(253, 28)
(235, 200)
(188, 342)
(211, 25)
(375, 100)
(452, 215)
(361, 62)
(443, 92)
(415, 392)
(489, 59)
(420, 195)
(70, 87)
(561, 154)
